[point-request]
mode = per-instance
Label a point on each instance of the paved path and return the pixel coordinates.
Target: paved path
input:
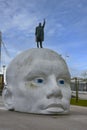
(76, 120)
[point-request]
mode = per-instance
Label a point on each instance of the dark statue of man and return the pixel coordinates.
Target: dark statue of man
(39, 33)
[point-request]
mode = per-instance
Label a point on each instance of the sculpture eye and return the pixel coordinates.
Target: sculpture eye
(61, 81)
(39, 80)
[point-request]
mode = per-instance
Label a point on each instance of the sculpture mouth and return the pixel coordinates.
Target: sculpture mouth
(55, 108)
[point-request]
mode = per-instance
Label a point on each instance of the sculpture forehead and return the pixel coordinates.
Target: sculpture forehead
(35, 54)
(41, 58)
(47, 68)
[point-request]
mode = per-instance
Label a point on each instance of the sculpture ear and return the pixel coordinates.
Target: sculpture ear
(7, 98)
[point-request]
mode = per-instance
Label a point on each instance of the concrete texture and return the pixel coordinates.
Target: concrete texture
(76, 120)
(38, 81)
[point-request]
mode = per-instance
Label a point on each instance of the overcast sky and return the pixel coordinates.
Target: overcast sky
(65, 30)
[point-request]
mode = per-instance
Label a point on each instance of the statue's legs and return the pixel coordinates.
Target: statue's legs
(37, 45)
(41, 44)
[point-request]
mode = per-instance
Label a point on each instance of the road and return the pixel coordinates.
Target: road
(76, 120)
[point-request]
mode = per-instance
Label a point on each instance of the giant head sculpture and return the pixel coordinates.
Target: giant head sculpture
(38, 81)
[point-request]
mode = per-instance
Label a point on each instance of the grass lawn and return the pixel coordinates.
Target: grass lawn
(79, 103)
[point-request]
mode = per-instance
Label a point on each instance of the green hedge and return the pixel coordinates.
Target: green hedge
(79, 103)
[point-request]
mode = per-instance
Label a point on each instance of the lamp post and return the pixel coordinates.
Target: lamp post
(4, 72)
(76, 85)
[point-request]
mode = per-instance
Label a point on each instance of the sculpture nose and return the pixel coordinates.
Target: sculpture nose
(55, 90)
(55, 93)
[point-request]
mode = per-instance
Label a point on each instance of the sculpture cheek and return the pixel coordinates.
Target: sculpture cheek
(30, 85)
(8, 98)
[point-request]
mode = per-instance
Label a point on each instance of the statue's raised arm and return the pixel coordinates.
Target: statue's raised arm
(44, 23)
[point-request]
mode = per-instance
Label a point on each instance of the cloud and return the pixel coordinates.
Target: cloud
(15, 14)
(24, 21)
